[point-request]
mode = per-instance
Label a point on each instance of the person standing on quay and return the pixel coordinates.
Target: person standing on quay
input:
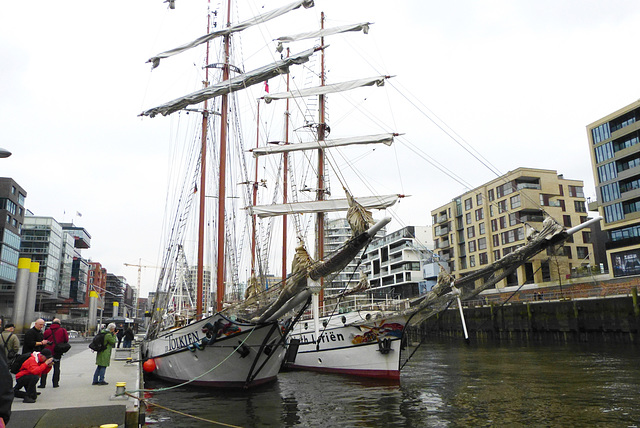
(128, 338)
(34, 338)
(119, 335)
(54, 335)
(103, 358)
(10, 342)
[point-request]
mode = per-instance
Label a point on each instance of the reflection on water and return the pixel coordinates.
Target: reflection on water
(446, 383)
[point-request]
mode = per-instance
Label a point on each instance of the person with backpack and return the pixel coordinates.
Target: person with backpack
(55, 335)
(103, 357)
(30, 371)
(11, 343)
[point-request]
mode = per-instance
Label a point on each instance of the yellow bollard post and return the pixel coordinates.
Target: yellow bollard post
(120, 388)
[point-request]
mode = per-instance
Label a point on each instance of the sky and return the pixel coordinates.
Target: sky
(515, 81)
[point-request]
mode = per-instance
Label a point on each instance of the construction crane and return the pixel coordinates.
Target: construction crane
(140, 266)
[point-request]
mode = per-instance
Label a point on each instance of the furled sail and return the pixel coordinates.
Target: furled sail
(327, 89)
(237, 83)
(332, 205)
(362, 26)
(234, 28)
(367, 139)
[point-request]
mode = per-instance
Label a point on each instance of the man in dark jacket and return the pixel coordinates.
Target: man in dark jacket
(6, 390)
(55, 334)
(31, 370)
(34, 338)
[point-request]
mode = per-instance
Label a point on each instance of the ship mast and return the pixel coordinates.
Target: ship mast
(285, 184)
(321, 189)
(220, 289)
(203, 163)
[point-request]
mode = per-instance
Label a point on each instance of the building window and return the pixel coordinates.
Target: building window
(566, 251)
(576, 191)
(490, 195)
(482, 243)
(582, 252)
(494, 225)
(472, 246)
(468, 218)
(586, 237)
(515, 201)
(481, 228)
(579, 206)
(468, 204)
(609, 171)
(605, 152)
(610, 192)
(472, 261)
(479, 214)
(478, 199)
(601, 133)
(503, 222)
(471, 232)
(502, 206)
(496, 255)
(514, 218)
(566, 219)
(483, 259)
(613, 212)
(496, 239)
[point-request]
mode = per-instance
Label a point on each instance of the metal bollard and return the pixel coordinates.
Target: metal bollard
(120, 388)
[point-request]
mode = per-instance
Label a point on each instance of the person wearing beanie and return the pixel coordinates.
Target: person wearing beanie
(10, 341)
(29, 374)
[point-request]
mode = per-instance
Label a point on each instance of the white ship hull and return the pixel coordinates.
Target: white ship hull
(366, 349)
(178, 358)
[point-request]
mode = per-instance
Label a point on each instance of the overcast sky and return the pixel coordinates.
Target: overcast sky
(518, 81)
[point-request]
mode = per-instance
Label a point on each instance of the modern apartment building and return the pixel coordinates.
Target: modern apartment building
(488, 222)
(12, 213)
(394, 263)
(615, 157)
(336, 233)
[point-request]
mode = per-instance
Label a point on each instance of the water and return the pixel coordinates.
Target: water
(447, 383)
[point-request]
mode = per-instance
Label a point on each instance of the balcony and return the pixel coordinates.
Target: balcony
(442, 218)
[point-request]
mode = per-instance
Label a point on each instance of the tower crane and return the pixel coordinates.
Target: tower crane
(140, 266)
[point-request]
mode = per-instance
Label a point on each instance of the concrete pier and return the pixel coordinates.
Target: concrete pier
(78, 403)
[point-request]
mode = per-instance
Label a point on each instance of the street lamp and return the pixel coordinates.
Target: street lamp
(4, 153)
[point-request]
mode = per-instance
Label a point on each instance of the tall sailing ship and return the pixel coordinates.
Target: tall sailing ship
(240, 342)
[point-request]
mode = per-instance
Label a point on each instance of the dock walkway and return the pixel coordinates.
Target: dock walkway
(78, 403)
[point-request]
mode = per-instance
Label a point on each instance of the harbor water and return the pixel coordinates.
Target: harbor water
(446, 383)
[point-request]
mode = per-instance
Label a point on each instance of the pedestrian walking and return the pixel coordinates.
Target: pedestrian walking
(128, 338)
(31, 370)
(119, 335)
(55, 334)
(34, 338)
(103, 358)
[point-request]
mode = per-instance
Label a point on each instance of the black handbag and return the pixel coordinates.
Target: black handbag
(59, 348)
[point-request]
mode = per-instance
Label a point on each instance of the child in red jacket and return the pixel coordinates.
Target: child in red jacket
(29, 374)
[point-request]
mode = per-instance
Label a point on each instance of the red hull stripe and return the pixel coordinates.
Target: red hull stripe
(378, 374)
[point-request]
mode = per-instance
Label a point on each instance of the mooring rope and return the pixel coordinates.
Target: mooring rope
(168, 388)
(149, 404)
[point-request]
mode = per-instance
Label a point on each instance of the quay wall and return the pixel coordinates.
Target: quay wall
(609, 319)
